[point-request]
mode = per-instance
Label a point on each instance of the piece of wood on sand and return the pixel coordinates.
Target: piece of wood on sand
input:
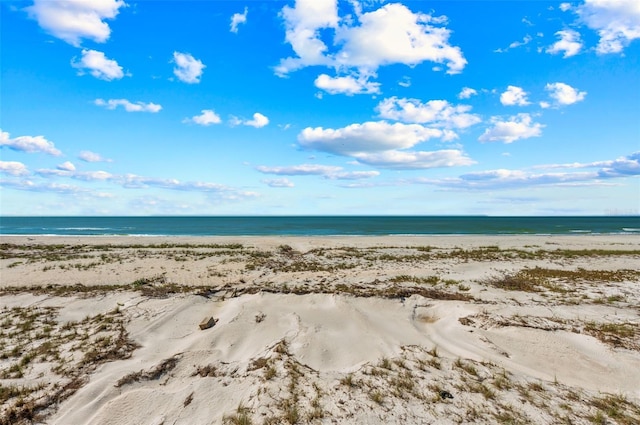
(207, 322)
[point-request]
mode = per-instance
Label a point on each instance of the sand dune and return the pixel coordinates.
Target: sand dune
(324, 330)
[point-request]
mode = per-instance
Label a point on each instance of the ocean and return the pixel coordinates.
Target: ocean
(317, 225)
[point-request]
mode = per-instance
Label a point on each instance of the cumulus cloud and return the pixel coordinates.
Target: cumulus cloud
(384, 145)
(514, 96)
(74, 20)
(394, 34)
(206, 118)
(517, 127)
(283, 182)
(303, 23)
(363, 42)
(129, 106)
(98, 65)
(415, 160)
(28, 144)
(66, 166)
(13, 168)
(88, 156)
(569, 42)
(370, 136)
(467, 92)
(564, 94)
(237, 19)
(565, 6)
(617, 22)
(348, 85)
(188, 69)
(437, 113)
(259, 120)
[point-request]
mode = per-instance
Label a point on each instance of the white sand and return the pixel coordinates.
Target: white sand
(329, 336)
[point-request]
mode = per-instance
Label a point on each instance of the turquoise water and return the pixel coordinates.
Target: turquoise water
(316, 225)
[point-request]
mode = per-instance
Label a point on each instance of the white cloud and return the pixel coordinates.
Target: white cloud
(348, 85)
(525, 40)
(300, 170)
(353, 175)
(66, 166)
(237, 19)
(207, 117)
(73, 20)
(438, 113)
(97, 64)
(394, 34)
(327, 171)
(624, 166)
(129, 106)
(509, 179)
(514, 96)
(569, 43)
(30, 186)
(88, 176)
(467, 92)
(188, 69)
(214, 191)
(13, 168)
(367, 137)
(283, 182)
(28, 144)
(302, 23)
(88, 156)
(415, 160)
(565, 6)
(564, 94)
(93, 175)
(517, 127)
(405, 82)
(362, 43)
(258, 121)
(384, 145)
(617, 22)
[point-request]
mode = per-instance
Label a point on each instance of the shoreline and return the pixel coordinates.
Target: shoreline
(613, 238)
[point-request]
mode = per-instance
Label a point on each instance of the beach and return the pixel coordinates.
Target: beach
(337, 329)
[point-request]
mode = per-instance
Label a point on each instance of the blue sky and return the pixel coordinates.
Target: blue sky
(113, 107)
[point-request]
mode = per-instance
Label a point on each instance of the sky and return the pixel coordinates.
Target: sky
(319, 107)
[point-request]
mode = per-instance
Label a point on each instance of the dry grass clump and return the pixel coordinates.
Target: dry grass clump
(32, 338)
(519, 281)
(622, 334)
(240, 417)
(155, 373)
(206, 371)
(540, 279)
(625, 334)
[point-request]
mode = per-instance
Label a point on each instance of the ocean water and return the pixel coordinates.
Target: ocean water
(317, 225)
